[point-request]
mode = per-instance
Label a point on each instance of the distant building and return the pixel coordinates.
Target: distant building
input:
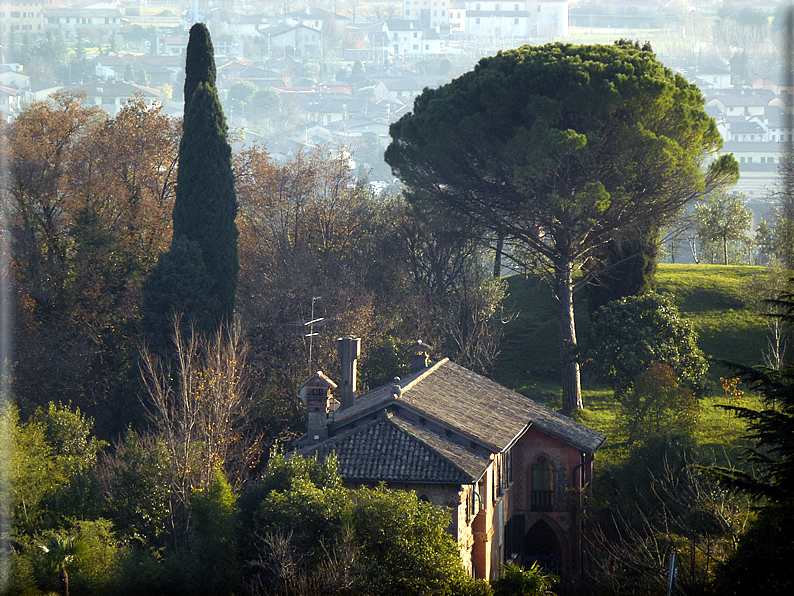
(41, 90)
(11, 77)
(315, 18)
(18, 16)
(293, 41)
(9, 104)
(69, 22)
(429, 13)
(112, 96)
(408, 38)
(526, 20)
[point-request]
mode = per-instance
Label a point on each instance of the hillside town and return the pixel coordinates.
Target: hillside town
(293, 76)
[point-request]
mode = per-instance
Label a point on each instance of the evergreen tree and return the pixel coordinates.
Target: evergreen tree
(179, 284)
(199, 61)
(206, 203)
(625, 267)
(204, 213)
(763, 560)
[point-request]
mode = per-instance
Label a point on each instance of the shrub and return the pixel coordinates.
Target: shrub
(628, 334)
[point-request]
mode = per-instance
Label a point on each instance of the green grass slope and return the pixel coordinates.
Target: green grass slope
(722, 304)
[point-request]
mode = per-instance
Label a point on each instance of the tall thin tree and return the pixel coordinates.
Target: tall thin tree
(205, 207)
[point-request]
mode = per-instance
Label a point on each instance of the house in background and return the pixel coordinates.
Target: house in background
(113, 96)
(13, 78)
(514, 474)
(9, 104)
(295, 41)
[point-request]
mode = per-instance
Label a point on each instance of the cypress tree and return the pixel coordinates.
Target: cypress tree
(199, 61)
(204, 212)
(206, 203)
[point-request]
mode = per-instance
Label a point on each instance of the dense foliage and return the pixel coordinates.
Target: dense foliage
(562, 148)
(625, 267)
(177, 502)
(89, 211)
(628, 334)
(310, 535)
(763, 558)
(205, 209)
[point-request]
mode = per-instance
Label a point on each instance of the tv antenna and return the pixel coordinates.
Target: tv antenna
(310, 324)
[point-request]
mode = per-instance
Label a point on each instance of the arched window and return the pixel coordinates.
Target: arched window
(542, 485)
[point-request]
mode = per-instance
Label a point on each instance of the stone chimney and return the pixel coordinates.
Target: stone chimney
(349, 349)
(419, 354)
(318, 394)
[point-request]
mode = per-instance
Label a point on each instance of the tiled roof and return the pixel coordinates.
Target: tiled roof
(393, 450)
(746, 127)
(474, 406)
(488, 411)
(472, 464)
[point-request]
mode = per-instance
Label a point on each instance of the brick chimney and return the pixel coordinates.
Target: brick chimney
(318, 394)
(419, 354)
(349, 349)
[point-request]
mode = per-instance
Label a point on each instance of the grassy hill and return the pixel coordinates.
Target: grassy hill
(720, 301)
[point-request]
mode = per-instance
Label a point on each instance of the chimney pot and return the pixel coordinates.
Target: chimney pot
(317, 391)
(349, 349)
(419, 352)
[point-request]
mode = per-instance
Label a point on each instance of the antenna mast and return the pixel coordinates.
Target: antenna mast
(310, 324)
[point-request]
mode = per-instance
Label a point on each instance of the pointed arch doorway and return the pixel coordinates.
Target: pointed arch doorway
(542, 544)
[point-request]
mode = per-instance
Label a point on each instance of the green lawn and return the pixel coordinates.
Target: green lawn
(721, 302)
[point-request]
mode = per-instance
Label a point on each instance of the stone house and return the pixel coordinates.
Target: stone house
(514, 473)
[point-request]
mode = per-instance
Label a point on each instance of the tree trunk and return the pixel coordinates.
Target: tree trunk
(724, 250)
(571, 380)
(63, 582)
(497, 261)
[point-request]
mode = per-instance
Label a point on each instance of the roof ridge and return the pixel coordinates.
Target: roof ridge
(427, 372)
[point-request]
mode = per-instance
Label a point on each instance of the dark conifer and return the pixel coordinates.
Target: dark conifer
(206, 203)
(764, 559)
(178, 285)
(204, 212)
(199, 61)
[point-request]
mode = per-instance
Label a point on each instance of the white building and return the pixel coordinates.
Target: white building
(21, 15)
(526, 20)
(430, 13)
(112, 96)
(70, 21)
(290, 41)
(408, 38)
(9, 104)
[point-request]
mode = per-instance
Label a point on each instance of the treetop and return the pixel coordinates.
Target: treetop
(199, 61)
